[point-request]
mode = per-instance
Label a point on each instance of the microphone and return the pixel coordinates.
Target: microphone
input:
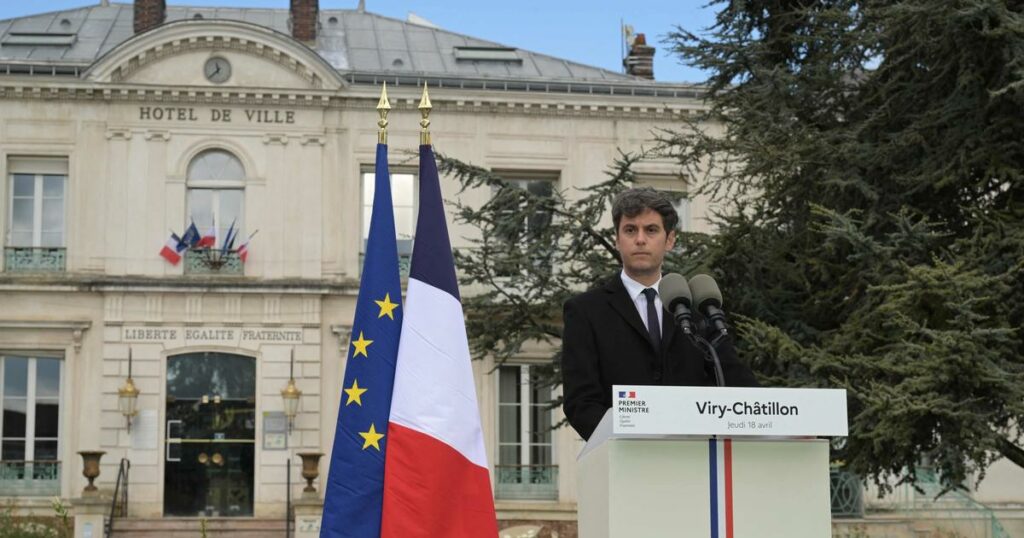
(708, 299)
(675, 294)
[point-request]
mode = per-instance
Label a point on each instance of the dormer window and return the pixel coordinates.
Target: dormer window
(487, 54)
(39, 39)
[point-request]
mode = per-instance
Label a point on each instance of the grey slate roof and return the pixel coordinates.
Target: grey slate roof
(350, 40)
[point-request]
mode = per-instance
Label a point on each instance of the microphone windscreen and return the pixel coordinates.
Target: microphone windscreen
(705, 292)
(673, 289)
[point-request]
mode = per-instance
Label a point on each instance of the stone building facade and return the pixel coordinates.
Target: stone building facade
(122, 123)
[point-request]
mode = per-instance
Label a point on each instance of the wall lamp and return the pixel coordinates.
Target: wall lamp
(128, 396)
(291, 394)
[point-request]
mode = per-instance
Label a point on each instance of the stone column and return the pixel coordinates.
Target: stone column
(89, 513)
(307, 516)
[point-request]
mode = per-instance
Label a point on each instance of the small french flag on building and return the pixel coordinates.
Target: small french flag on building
(243, 251)
(208, 239)
(172, 249)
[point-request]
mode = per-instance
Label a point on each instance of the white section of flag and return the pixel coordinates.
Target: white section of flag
(434, 389)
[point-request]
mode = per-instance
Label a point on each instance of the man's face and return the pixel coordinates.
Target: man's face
(642, 241)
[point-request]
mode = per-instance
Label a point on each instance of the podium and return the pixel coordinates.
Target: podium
(715, 462)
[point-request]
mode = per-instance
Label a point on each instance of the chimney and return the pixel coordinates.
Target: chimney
(639, 61)
(304, 19)
(149, 14)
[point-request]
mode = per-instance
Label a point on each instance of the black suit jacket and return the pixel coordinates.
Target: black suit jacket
(605, 343)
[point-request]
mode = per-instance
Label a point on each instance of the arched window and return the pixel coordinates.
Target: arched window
(216, 194)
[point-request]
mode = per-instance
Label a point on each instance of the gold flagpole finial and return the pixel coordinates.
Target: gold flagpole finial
(383, 107)
(425, 112)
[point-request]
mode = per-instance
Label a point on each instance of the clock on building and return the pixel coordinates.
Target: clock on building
(217, 70)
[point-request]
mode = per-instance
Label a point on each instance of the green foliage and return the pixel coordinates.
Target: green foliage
(864, 161)
(63, 516)
(870, 235)
(12, 526)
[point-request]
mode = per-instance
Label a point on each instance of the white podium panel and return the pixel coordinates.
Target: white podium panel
(720, 488)
(710, 462)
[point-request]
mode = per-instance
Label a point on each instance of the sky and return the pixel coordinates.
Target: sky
(584, 31)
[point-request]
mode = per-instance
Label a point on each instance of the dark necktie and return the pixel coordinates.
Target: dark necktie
(653, 327)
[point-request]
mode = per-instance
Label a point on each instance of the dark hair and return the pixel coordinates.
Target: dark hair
(634, 201)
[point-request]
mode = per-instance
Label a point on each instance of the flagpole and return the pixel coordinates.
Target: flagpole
(425, 112)
(383, 107)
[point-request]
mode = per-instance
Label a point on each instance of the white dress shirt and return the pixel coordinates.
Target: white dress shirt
(636, 293)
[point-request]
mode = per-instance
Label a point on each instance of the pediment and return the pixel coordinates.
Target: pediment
(174, 54)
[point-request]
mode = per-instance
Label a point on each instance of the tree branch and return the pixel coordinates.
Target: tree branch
(1010, 451)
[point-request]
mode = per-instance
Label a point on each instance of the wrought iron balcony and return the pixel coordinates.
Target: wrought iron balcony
(847, 493)
(34, 260)
(526, 482)
(29, 478)
(210, 261)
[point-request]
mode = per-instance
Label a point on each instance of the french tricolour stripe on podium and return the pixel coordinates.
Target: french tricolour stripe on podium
(436, 481)
(720, 468)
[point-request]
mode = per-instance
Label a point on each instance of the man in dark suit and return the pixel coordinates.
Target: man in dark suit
(608, 338)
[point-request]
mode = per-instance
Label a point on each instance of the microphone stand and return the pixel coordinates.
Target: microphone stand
(712, 354)
(682, 320)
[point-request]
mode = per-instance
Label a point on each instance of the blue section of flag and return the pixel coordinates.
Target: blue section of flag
(229, 240)
(179, 244)
(432, 260)
(190, 237)
(713, 467)
(355, 484)
(622, 394)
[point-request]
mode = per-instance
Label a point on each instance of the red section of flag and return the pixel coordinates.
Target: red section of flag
(243, 251)
(170, 251)
(632, 394)
(208, 240)
(412, 508)
(728, 489)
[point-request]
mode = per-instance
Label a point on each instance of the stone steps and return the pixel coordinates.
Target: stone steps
(189, 527)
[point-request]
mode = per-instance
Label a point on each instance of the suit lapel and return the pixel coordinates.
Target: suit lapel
(622, 304)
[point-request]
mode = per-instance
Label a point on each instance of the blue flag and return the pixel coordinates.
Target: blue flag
(229, 240)
(191, 236)
(355, 483)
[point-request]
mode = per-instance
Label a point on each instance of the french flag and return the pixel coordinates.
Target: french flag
(436, 481)
(209, 239)
(172, 249)
(243, 251)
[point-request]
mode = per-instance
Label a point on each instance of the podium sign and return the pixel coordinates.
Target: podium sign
(723, 462)
(640, 410)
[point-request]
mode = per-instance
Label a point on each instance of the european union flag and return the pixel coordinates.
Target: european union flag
(355, 484)
(190, 237)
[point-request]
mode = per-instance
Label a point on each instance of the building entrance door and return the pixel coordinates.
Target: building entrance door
(210, 435)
